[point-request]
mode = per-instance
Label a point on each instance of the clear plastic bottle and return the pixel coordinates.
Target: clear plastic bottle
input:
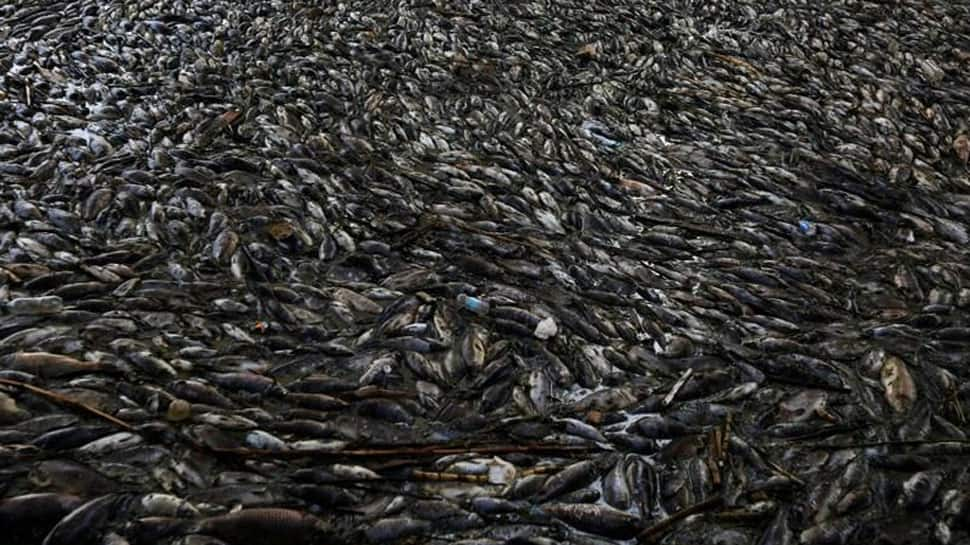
(474, 304)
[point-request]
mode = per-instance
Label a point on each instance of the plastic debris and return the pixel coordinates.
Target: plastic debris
(546, 329)
(807, 228)
(474, 304)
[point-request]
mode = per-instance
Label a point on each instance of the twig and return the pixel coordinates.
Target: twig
(825, 431)
(415, 452)
(418, 475)
(717, 451)
(910, 443)
(678, 386)
(647, 535)
(780, 470)
(737, 62)
(64, 400)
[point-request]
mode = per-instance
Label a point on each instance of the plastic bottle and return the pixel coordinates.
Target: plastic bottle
(474, 304)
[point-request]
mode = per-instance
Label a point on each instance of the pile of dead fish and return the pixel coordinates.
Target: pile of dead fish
(540, 272)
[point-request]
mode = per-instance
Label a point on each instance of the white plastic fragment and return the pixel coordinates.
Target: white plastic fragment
(546, 329)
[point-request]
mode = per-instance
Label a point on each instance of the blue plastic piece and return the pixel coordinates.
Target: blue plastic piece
(806, 227)
(473, 304)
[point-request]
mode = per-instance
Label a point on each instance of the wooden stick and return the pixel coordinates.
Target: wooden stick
(648, 535)
(64, 400)
(902, 443)
(414, 452)
(669, 398)
(418, 475)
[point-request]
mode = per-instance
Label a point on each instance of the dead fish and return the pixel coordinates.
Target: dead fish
(920, 489)
(47, 365)
(325, 495)
(70, 437)
(616, 488)
(151, 364)
(85, 524)
(197, 539)
(34, 306)
(199, 392)
(661, 427)
(384, 409)
(487, 505)
(899, 385)
(263, 526)
(778, 531)
(596, 519)
(114, 442)
(571, 478)
(838, 532)
(575, 427)
(392, 529)
(259, 439)
(900, 462)
(166, 505)
(245, 382)
(473, 348)
(30, 517)
(540, 390)
(800, 369)
(224, 246)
